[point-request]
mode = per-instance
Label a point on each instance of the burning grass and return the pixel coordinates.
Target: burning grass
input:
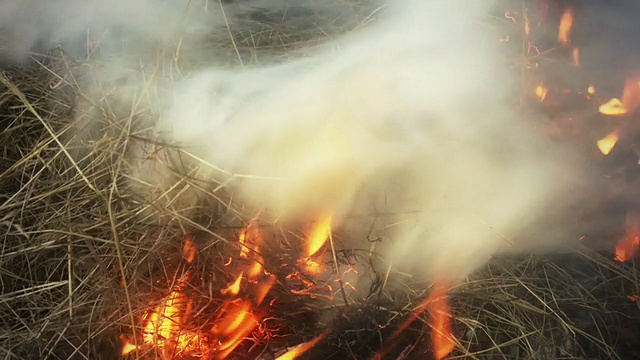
(96, 263)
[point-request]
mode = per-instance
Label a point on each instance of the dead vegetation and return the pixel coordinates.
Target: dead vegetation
(82, 251)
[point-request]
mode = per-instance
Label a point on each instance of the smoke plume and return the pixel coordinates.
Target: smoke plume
(412, 115)
(414, 109)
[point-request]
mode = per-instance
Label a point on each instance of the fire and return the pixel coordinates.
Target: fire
(301, 349)
(442, 339)
(626, 248)
(165, 327)
(234, 288)
(564, 30)
(318, 236)
(316, 239)
(441, 336)
(607, 143)
(630, 99)
(541, 92)
(613, 107)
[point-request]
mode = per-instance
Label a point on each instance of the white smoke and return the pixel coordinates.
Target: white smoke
(415, 109)
(416, 106)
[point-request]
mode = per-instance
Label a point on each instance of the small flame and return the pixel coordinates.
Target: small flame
(316, 239)
(234, 288)
(633, 298)
(441, 336)
(575, 55)
(128, 347)
(626, 248)
(591, 90)
(564, 30)
(189, 250)
(630, 99)
(318, 236)
(607, 143)
(613, 107)
(541, 92)
(302, 348)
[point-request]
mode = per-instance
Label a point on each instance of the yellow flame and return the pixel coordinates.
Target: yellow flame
(318, 236)
(541, 92)
(607, 143)
(591, 90)
(234, 288)
(613, 107)
(301, 349)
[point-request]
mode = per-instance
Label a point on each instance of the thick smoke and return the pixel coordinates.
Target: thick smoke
(412, 115)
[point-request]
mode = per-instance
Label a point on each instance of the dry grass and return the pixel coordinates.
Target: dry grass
(82, 249)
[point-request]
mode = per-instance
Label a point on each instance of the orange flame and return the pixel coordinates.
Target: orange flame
(607, 143)
(564, 30)
(302, 348)
(441, 336)
(165, 327)
(189, 250)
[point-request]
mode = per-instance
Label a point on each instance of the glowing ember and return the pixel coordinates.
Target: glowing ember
(541, 92)
(301, 349)
(607, 143)
(591, 90)
(613, 107)
(564, 30)
(441, 336)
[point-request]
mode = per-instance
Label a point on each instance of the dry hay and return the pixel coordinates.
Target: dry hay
(73, 228)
